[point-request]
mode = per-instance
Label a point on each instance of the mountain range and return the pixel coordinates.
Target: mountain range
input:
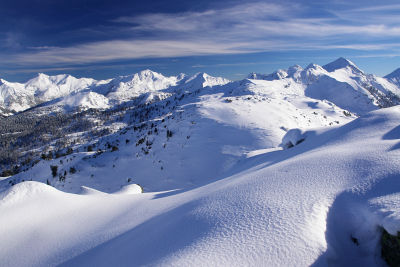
(340, 82)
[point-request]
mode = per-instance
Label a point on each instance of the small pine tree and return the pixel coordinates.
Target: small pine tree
(72, 170)
(54, 169)
(69, 151)
(169, 133)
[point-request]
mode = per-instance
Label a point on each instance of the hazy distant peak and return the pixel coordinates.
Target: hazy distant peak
(394, 74)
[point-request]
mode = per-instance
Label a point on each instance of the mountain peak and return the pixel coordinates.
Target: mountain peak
(394, 74)
(202, 79)
(42, 75)
(144, 75)
(181, 76)
(294, 69)
(256, 76)
(340, 63)
(198, 76)
(148, 72)
(313, 66)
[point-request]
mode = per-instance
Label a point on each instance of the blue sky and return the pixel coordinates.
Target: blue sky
(103, 39)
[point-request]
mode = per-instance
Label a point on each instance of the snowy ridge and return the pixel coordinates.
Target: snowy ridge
(338, 78)
(340, 82)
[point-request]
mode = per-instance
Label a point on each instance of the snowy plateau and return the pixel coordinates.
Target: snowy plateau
(300, 167)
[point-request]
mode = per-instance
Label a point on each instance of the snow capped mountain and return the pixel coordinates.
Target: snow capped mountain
(340, 82)
(46, 88)
(202, 80)
(127, 87)
(15, 97)
(277, 75)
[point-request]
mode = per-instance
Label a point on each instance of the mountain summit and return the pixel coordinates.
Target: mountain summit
(395, 74)
(340, 63)
(394, 77)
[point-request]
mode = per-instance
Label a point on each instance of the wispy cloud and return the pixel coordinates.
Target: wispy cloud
(375, 8)
(125, 49)
(244, 28)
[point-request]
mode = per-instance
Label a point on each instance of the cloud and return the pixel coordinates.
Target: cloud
(243, 28)
(375, 8)
(124, 49)
(256, 19)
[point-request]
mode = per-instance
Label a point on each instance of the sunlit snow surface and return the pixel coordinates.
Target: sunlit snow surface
(274, 170)
(294, 207)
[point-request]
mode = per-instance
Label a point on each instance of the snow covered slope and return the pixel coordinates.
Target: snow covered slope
(295, 207)
(290, 169)
(85, 100)
(221, 125)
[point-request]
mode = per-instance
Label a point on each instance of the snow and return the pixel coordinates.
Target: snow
(131, 189)
(294, 137)
(293, 207)
(18, 97)
(201, 80)
(340, 82)
(85, 100)
(128, 87)
(341, 63)
(225, 189)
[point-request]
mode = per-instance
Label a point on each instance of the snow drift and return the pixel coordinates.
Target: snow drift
(295, 207)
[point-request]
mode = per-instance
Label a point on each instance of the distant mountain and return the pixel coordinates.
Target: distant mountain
(394, 77)
(341, 63)
(127, 87)
(15, 97)
(340, 82)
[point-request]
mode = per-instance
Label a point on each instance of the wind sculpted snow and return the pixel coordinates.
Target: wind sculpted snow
(300, 206)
